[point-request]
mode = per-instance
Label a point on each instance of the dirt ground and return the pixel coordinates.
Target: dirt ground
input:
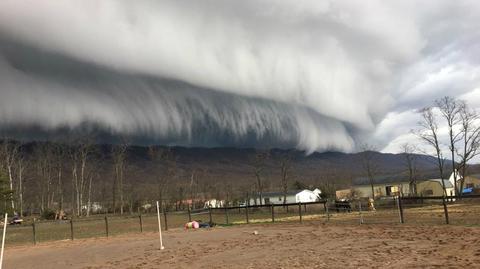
(280, 245)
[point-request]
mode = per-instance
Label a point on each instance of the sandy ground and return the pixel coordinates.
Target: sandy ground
(285, 245)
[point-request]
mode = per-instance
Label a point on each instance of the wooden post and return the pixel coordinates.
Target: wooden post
(273, 213)
(159, 227)
(165, 218)
(226, 215)
(106, 226)
(445, 210)
(305, 208)
(328, 212)
(300, 211)
(3, 239)
(360, 215)
(71, 228)
(141, 223)
(34, 232)
(189, 214)
(210, 214)
(400, 209)
(246, 214)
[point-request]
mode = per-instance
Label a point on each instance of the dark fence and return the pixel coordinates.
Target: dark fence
(266, 213)
(37, 231)
(411, 210)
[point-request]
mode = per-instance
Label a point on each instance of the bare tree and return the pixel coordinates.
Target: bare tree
(259, 164)
(429, 134)
(470, 139)
(119, 154)
(92, 173)
(411, 165)
(369, 164)
(10, 155)
(285, 173)
(60, 153)
(167, 157)
(197, 174)
(22, 165)
(43, 156)
(450, 109)
(80, 154)
(74, 156)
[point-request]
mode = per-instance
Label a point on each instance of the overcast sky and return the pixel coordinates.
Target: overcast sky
(315, 75)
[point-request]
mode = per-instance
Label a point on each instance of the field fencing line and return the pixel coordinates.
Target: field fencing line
(415, 210)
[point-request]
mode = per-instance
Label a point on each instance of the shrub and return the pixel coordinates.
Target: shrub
(48, 214)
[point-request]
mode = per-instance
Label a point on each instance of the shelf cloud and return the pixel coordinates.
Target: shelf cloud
(315, 75)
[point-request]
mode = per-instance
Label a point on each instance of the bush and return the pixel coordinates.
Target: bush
(48, 214)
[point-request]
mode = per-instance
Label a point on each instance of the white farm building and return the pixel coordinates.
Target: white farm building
(294, 196)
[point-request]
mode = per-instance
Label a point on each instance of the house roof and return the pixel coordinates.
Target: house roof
(280, 193)
(448, 184)
(398, 178)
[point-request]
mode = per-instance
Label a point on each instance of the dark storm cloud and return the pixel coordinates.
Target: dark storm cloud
(148, 109)
(311, 74)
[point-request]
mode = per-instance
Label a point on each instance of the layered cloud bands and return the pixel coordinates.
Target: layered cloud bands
(312, 74)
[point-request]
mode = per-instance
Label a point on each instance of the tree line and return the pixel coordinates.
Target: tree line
(80, 177)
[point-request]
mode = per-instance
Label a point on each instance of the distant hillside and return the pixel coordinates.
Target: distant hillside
(51, 177)
(237, 165)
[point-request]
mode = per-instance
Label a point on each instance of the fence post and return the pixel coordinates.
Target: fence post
(273, 213)
(189, 214)
(400, 209)
(106, 226)
(360, 215)
(71, 228)
(445, 210)
(305, 208)
(300, 211)
(226, 215)
(34, 232)
(141, 223)
(210, 214)
(165, 217)
(246, 214)
(327, 209)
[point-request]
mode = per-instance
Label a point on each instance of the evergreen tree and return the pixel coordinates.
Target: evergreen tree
(6, 195)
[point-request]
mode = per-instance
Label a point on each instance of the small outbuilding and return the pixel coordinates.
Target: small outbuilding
(214, 203)
(294, 196)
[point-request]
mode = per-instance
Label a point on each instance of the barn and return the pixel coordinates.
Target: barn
(293, 196)
(393, 185)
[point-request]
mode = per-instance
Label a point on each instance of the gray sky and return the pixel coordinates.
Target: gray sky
(316, 75)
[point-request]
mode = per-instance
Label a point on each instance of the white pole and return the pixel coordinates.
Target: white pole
(159, 227)
(3, 239)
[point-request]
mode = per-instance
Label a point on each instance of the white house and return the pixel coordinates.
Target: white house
(95, 207)
(295, 196)
(214, 203)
